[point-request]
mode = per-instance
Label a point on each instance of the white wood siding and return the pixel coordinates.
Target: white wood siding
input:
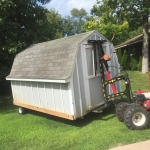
(51, 96)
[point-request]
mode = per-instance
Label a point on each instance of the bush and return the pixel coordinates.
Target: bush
(125, 60)
(139, 65)
(119, 55)
(133, 64)
(6, 87)
(129, 63)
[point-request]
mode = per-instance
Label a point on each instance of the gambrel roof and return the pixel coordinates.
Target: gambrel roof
(52, 60)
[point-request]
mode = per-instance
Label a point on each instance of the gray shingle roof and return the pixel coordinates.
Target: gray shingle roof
(52, 60)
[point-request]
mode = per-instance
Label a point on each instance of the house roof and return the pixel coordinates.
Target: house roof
(52, 60)
(134, 40)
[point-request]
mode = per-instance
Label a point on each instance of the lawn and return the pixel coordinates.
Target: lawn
(38, 131)
(138, 80)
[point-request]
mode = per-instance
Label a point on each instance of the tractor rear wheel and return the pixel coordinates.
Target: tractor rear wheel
(120, 109)
(136, 117)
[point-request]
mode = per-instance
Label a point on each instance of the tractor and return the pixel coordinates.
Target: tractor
(135, 114)
(135, 110)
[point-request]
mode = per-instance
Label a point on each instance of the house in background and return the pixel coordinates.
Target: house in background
(133, 46)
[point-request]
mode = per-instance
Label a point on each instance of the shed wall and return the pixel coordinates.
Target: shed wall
(87, 87)
(45, 95)
(78, 86)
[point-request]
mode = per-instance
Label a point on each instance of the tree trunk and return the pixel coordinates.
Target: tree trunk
(145, 47)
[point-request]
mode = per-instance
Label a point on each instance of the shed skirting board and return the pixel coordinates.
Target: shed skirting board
(44, 110)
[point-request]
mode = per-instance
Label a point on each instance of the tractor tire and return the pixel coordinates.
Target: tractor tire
(21, 110)
(120, 109)
(136, 117)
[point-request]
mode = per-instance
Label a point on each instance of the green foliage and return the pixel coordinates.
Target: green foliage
(138, 80)
(135, 33)
(78, 14)
(120, 18)
(6, 60)
(91, 24)
(73, 24)
(114, 32)
(119, 55)
(133, 64)
(138, 15)
(128, 62)
(139, 65)
(106, 23)
(22, 23)
(41, 1)
(54, 26)
(132, 10)
(124, 60)
(68, 26)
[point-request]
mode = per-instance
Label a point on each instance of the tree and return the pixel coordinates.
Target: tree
(79, 17)
(55, 26)
(68, 28)
(22, 23)
(139, 66)
(92, 23)
(119, 55)
(134, 33)
(106, 23)
(139, 10)
(124, 60)
(73, 24)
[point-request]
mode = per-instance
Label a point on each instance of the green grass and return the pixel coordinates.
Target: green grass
(138, 80)
(38, 131)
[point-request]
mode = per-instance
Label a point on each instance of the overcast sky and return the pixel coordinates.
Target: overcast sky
(63, 7)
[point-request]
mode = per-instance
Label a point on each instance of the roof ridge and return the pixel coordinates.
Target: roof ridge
(67, 37)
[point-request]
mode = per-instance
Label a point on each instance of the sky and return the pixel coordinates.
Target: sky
(63, 7)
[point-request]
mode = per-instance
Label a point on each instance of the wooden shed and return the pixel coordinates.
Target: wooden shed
(57, 77)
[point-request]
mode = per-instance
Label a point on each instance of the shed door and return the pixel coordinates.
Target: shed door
(95, 84)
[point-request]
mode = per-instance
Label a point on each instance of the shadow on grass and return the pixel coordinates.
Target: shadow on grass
(107, 114)
(6, 104)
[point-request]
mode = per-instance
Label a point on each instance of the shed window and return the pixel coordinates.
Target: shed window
(90, 62)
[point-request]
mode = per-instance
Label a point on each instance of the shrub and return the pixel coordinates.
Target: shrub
(139, 65)
(119, 55)
(129, 63)
(133, 64)
(125, 60)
